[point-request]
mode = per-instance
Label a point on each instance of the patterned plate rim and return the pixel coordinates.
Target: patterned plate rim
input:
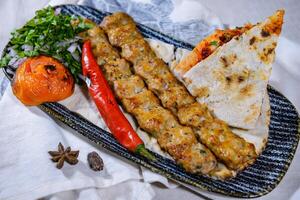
(49, 109)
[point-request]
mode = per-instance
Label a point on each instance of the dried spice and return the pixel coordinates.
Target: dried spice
(62, 155)
(95, 161)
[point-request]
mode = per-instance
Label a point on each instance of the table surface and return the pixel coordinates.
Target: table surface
(248, 11)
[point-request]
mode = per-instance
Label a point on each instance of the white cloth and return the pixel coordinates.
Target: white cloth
(26, 171)
(286, 74)
(26, 134)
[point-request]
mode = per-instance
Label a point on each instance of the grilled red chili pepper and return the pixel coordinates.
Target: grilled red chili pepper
(108, 106)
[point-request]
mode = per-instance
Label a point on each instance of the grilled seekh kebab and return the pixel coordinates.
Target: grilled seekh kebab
(178, 140)
(231, 149)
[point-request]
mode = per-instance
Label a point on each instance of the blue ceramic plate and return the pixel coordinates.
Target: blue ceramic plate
(257, 180)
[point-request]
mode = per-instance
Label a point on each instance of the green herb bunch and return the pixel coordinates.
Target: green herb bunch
(49, 34)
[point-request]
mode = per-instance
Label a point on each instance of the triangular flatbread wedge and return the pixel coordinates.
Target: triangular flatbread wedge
(233, 79)
(257, 136)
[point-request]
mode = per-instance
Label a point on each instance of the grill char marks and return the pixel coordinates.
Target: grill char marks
(179, 141)
(231, 149)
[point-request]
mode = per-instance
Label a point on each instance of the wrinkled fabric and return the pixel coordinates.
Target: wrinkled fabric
(26, 134)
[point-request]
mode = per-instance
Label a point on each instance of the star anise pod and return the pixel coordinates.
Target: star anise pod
(62, 155)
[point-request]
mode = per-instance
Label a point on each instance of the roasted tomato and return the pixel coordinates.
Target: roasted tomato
(42, 79)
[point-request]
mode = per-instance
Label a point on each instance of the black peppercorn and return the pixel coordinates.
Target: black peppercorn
(95, 161)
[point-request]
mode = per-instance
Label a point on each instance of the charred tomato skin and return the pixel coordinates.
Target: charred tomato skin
(42, 79)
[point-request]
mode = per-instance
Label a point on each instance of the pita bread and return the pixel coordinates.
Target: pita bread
(232, 80)
(258, 135)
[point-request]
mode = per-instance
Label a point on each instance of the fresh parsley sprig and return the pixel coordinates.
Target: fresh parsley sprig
(46, 34)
